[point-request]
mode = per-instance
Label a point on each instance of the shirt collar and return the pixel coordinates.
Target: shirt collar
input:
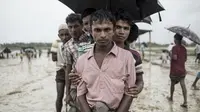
(83, 38)
(113, 51)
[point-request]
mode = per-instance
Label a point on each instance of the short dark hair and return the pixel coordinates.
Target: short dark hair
(178, 37)
(87, 12)
(134, 33)
(73, 18)
(101, 15)
(123, 15)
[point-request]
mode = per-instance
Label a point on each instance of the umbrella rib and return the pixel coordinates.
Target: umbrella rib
(188, 26)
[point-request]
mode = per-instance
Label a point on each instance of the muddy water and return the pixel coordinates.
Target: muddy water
(153, 97)
(31, 88)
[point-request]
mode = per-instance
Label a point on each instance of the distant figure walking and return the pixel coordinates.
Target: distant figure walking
(194, 85)
(197, 51)
(142, 47)
(164, 56)
(40, 53)
(48, 52)
(29, 55)
(21, 56)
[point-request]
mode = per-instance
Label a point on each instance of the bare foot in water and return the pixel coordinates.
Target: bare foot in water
(195, 87)
(170, 99)
(184, 105)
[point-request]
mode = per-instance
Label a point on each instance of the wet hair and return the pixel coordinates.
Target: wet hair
(101, 15)
(87, 12)
(71, 18)
(134, 33)
(121, 14)
(178, 37)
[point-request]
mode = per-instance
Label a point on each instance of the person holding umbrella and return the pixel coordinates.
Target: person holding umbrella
(177, 68)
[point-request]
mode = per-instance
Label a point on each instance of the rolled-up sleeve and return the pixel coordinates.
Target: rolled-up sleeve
(130, 71)
(81, 88)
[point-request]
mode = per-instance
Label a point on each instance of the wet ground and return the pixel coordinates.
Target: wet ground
(31, 88)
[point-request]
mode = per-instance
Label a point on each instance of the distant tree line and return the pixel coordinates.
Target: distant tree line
(19, 45)
(154, 44)
(41, 45)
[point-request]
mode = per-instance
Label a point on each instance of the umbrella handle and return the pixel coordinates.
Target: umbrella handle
(108, 5)
(160, 18)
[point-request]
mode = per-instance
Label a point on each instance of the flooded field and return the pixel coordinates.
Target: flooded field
(31, 88)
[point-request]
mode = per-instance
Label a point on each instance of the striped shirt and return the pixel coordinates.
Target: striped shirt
(138, 64)
(73, 49)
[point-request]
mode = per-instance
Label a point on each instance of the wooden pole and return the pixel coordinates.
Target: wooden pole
(150, 46)
(139, 43)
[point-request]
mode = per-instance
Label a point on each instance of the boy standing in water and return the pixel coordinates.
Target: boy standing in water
(57, 56)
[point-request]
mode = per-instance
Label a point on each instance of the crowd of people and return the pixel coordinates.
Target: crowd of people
(96, 66)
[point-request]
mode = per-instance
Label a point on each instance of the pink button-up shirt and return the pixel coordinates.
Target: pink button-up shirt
(106, 84)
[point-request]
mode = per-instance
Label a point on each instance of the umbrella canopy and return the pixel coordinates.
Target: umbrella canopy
(149, 7)
(138, 10)
(141, 31)
(144, 27)
(6, 50)
(184, 42)
(29, 50)
(145, 20)
(185, 32)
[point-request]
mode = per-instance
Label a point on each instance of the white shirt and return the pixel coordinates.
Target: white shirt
(57, 48)
(164, 56)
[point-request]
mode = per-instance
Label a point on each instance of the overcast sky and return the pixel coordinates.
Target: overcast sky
(38, 20)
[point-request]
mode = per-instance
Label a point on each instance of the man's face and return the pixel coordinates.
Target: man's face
(64, 35)
(75, 29)
(102, 32)
(122, 31)
(86, 24)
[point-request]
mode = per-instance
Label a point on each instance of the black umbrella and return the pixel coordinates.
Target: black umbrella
(28, 49)
(139, 9)
(145, 20)
(185, 32)
(6, 50)
(149, 7)
(141, 31)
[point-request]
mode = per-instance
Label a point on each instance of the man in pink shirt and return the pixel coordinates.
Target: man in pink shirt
(105, 70)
